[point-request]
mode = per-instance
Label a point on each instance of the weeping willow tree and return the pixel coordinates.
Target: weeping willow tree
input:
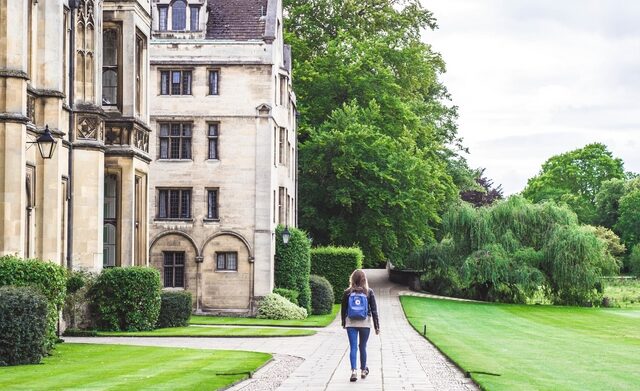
(509, 251)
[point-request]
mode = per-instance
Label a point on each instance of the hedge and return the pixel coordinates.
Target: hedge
(23, 325)
(288, 294)
(76, 312)
(126, 299)
(175, 309)
(293, 264)
(336, 265)
(45, 277)
(274, 306)
(322, 296)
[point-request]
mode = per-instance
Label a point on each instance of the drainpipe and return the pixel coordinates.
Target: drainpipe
(72, 69)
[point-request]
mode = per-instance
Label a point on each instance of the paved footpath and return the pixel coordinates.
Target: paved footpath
(399, 358)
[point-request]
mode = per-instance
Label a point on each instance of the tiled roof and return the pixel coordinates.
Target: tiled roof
(237, 20)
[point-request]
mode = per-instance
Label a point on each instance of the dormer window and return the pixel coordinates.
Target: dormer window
(178, 15)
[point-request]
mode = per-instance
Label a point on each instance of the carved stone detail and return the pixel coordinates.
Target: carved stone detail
(125, 135)
(89, 128)
(31, 108)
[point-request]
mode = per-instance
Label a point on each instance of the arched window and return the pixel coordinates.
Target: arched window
(179, 15)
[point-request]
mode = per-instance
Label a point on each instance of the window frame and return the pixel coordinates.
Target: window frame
(216, 216)
(192, 8)
(164, 7)
(117, 68)
(213, 138)
(173, 266)
(168, 89)
(174, 20)
(226, 261)
(182, 191)
(181, 137)
(217, 82)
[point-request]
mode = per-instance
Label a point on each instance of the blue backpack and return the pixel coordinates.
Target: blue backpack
(358, 306)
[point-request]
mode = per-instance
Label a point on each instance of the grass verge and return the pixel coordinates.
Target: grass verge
(208, 331)
(122, 367)
(519, 347)
(311, 321)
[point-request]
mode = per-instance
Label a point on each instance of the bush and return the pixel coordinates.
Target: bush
(23, 325)
(288, 294)
(336, 265)
(126, 299)
(175, 309)
(634, 261)
(293, 264)
(322, 297)
(274, 306)
(76, 312)
(71, 332)
(45, 277)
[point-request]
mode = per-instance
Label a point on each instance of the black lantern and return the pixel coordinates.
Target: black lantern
(46, 144)
(286, 235)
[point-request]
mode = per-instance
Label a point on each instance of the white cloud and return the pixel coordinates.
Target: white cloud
(537, 78)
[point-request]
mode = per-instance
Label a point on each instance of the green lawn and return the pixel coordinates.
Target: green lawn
(534, 347)
(208, 331)
(121, 367)
(311, 321)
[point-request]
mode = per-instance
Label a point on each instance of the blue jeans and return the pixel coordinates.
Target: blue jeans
(352, 333)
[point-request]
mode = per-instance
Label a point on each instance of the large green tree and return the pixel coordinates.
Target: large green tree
(379, 152)
(575, 178)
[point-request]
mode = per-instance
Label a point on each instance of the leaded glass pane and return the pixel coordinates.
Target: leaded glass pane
(195, 14)
(179, 15)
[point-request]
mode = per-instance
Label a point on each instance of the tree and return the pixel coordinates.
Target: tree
(607, 202)
(628, 225)
(379, 154)
(367, 188)
(575, 178)
(485, 195)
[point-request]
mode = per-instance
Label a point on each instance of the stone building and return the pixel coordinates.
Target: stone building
(223, 173)
(79, 67)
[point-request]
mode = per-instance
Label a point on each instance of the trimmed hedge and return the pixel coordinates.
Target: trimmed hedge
(322, 296)
(45, 277)
(274, 306)
(293, 264)
(175, 309)
(76, 312)
(288, 294)
(126, 299)
(23, 325)
(336, 265)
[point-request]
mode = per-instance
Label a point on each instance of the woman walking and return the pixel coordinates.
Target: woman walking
(358, 309)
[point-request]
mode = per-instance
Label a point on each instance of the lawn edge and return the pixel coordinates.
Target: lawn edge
(251, 373)
(467, 374)
(266, 325)
(200, 336)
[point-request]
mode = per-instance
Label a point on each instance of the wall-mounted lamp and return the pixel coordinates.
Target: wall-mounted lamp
(286, 235)
(46, 143)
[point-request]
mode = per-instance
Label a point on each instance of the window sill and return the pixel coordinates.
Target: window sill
(163, 220)
(213, 160)
(209, 221)
(175, 160)
(176, 95)
(226, 271)
(173, 288)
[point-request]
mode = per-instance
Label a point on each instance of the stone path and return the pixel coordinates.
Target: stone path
(399, 358)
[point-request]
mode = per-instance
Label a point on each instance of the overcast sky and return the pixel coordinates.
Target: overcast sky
(534, 78)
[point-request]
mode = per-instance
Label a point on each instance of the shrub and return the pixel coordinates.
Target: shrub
(45, 277)
(71, 332)
(126, 298)
(175, 309)
(634, 261)
(322, 297)
(336, 265)
(23, 325)
(288, 294)
(76, 312)
(274, 306)
(293, 264)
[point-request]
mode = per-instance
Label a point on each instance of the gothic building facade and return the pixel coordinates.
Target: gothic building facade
(79, 68)
(223, 174)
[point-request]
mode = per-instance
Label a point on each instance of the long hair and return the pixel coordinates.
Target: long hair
(358, 282)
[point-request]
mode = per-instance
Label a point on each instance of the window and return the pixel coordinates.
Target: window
(163, 12)
(175, 83)
(212, 204)
(179, 15)
(140, 43)
(110, 223)
(175, 141)
(110, 67)
(283, 89)
(282, 151)
(173, 269)
(281, 201)
(227, 261)
(214, 77)
(194, 18)
(213, 141)
(174, 204)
